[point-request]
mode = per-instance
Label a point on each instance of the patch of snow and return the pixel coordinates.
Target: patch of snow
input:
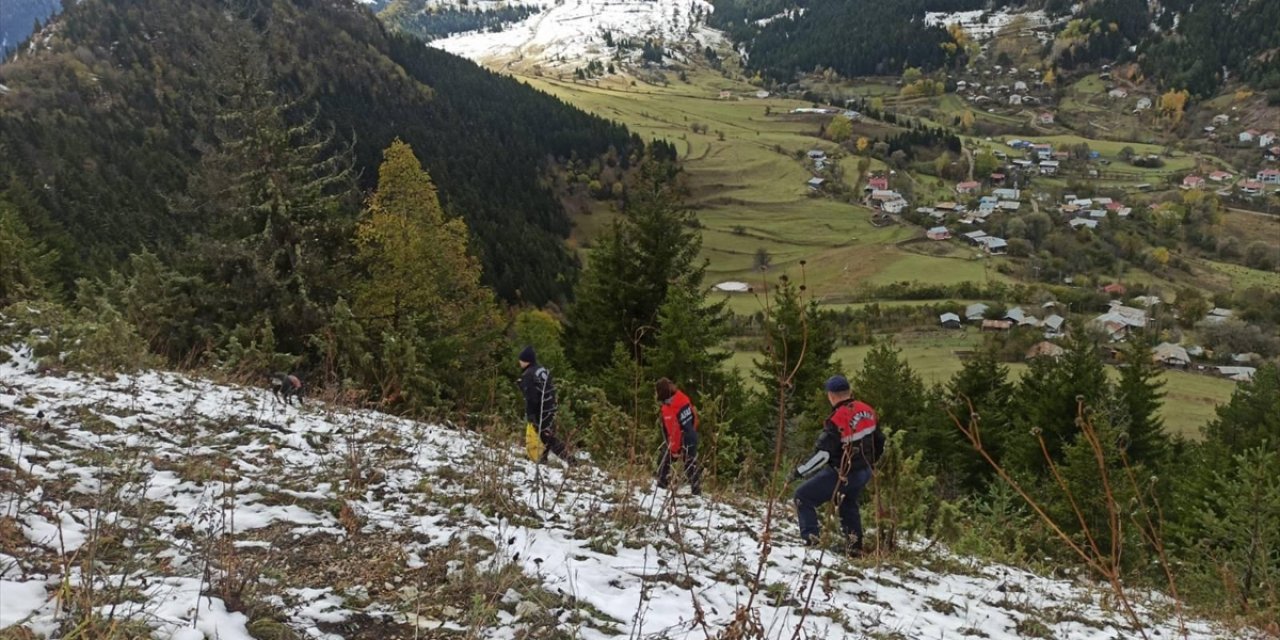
(983, 25)
(20, 600)
(566, 35)
(172, 430)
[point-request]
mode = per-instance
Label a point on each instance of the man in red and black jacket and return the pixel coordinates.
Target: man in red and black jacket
(680, 433)
(848, 448)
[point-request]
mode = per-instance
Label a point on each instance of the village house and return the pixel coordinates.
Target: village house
(1115, 289)
(1248, 136)
(967, 187)
(1238, 374)
(817, 154)
(1218, 314)
(1046, 117)
(1144, 103)
(878, 182)
(975, 238)
(1045, 349)
(1269, 176)
(1221, 119)
(1009, 205)
(893, 206)
(1118, 94)
(1015, 100)
(1120, 320)
(726, 94)
(948, 206)
(997, 178)
(1220, 176)
(975, 311)
(1251, 187)
(949, 321)
(1273, 154)
(995, 246)
(1077, 223)
(1015, 315)
(996, 325)
(1043, 151)
(1171, 355)
(1193, 182)
(1148, 301)
(762, 94)
(1266, 139)
(815, 184)
(1049, 167)
(1020, 86)
(1054, 326)
(938, 233)
(1007, 194)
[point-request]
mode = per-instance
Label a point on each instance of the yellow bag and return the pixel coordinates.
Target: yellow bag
(533, 442)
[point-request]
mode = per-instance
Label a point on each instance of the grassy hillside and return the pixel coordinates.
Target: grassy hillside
(748, 187)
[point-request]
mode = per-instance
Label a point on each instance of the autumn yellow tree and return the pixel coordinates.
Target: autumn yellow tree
(840, 129)
(966, 121)
(420, 294)
(1050, 79)
(863, 144)
(1173, 104)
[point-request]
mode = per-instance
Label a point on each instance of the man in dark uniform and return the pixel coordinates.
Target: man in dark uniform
(847, 449)
(540, 404)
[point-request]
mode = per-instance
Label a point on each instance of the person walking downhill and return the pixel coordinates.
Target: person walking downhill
(680, 435)
(841, 465)
(540, 404)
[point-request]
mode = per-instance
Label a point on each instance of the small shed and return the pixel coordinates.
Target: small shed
(949, 321)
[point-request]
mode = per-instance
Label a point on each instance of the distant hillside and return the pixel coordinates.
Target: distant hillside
(1179, 43)
(17, 17)
(852, 37)
(105, 124)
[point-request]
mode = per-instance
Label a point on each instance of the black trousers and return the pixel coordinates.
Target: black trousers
(550, 443)
(692, 470)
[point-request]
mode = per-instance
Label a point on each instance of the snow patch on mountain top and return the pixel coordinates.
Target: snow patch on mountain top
(568, 34)
(171, 468)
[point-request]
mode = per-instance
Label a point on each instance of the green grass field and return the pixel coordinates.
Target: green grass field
(749, 196)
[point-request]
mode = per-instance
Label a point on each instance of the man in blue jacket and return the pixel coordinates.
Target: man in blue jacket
(850, 444)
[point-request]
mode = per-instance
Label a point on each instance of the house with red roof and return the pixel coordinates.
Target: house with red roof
(1220, 176)
(1269, 176)
(1193, 182)
(969, 186)
(878, 183)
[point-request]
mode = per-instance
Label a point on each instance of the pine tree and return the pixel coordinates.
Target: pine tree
(1252, 417)
(25, 263)
(1049, 397)
(688, 348)
(545, 334)
(797, 358)
(653, 247)
(983, 385)
(280, 196)
(895, 391)
(419, 285)
(1139, 394)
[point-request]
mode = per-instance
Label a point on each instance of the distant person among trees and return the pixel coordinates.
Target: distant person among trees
(540, 404)
(680, 435)
(847, 449)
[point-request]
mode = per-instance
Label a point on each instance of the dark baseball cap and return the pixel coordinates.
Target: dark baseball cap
(837, 383)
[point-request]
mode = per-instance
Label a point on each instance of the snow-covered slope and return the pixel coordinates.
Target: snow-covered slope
(155, 488)
(567, 34)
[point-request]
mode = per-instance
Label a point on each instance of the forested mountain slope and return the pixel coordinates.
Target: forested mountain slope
(1180, 43)
(105, 125)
